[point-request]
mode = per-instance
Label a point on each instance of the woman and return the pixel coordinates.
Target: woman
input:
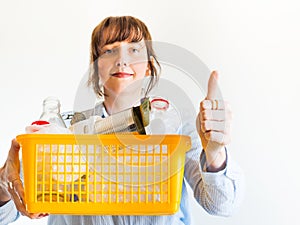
(121, 57)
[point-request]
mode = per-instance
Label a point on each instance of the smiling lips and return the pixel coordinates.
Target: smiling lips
(122, 75)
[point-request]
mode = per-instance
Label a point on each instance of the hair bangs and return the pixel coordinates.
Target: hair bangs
(123, 29)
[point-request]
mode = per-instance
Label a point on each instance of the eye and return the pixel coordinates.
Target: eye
(108, 51)
(134, 50)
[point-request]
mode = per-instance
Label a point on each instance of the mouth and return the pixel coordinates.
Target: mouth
(122, 75)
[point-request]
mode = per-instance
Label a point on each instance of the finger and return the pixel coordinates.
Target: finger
(217, 115)
(18, 202)
(217, 137)
(37, 215)
(18, 186)
(212, 90)
(209, 104)
(209, 125)
(13, 153)
(15, 147)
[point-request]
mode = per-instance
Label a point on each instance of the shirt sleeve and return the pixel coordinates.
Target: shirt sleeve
(218, 193)
(8, 213)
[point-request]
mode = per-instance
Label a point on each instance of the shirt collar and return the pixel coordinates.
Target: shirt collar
(104, 112)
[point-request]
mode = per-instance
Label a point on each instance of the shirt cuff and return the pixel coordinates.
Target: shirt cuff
(213, 178)
(8, 213)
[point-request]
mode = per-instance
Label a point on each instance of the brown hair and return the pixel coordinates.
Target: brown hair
(118, 29)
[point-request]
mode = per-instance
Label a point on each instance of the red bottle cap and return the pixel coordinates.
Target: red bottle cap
(160, 103)
(40, 122)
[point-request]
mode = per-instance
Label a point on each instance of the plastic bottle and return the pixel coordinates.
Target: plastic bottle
(36, 126)
(164, 118)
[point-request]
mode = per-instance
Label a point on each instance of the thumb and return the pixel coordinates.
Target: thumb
(14, 149)
(212, 90)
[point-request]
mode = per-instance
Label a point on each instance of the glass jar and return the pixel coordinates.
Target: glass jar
(51, 111)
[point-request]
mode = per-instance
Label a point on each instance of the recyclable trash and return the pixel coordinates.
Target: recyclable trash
(164, 117)
(134, 120)
(63, 163)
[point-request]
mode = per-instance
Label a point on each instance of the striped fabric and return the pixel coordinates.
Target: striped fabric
(218, 193)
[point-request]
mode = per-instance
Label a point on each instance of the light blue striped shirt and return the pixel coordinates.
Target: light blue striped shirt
(218, 193)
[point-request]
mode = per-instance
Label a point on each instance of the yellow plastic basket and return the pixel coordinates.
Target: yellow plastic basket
(103, 174)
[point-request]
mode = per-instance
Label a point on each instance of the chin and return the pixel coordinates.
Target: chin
(134, 89)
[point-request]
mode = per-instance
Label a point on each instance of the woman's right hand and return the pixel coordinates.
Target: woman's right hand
(10, 180)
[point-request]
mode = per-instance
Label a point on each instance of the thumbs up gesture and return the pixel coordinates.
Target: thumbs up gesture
(213, 125)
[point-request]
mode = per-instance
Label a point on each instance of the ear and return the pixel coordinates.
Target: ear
(148, 71)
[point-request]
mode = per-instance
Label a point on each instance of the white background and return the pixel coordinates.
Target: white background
(44, 50)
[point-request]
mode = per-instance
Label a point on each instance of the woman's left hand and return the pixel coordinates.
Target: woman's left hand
(213, 125)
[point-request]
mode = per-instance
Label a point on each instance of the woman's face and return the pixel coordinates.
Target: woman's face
(122, 67)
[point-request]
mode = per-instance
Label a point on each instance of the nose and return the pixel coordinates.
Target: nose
(121, 63)
(122, 57)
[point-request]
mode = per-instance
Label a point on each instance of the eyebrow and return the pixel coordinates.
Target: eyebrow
(113, 45)
(140, 43)
(117, 45)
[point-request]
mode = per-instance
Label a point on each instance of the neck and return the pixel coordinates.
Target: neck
(115, 105)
